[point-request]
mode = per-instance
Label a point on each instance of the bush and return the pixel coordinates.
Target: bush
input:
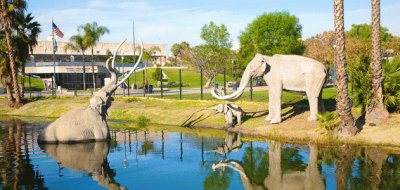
(391, 84)
(157, 74)
(142, 121)
(328, 121)
(361, 85)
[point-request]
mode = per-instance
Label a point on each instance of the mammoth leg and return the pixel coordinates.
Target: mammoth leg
(239, 118)
(269, 116)
(275, 101)
(314, 85)
(229, 118)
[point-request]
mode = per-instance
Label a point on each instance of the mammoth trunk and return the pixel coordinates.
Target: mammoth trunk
(242, 86)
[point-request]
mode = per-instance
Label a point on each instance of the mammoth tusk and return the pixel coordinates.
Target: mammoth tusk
(107, 63)
(231, 97)
(134, 67)
(115, 53)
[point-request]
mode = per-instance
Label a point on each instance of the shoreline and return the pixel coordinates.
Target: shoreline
(294, 128)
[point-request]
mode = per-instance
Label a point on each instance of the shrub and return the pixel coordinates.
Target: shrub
(328, 121)
(130, 99)
(157, 74)
(361, 85)
(142, 121)
(391, 84)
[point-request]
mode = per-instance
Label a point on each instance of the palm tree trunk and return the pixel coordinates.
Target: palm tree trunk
(22, 82)
(377, 112)
(84, 72)
(343, 103)
(13, 67)
(5, 82)
(94, 80)
(344, 166)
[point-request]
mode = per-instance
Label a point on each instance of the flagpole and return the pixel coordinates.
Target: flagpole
(134, 51)
(53, 91)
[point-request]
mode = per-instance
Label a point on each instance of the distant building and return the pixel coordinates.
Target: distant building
(43, 52)
(69, 64)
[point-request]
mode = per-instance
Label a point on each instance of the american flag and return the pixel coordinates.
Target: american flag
(57, 31)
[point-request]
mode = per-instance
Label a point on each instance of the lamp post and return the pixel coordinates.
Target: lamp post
(123, 73)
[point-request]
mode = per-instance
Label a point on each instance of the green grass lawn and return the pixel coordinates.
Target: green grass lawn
(328, 94)
(190, 78)
(36, 84)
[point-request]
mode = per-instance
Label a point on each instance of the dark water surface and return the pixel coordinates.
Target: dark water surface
(160, 159)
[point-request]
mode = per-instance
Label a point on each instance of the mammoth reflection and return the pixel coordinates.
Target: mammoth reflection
(273, 175)
(232, 143)
(88, 157)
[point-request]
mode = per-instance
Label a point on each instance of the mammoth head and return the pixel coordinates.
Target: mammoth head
(257, 66)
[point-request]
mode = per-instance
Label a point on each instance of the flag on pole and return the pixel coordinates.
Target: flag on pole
(57, 31)
(55, 47)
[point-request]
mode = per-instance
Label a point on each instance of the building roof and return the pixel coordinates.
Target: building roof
(46, 47)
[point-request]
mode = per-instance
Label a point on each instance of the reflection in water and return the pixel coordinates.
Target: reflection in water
(232, 143)
(15, 168)
(143, 159)
(275, 177)
(88, 157)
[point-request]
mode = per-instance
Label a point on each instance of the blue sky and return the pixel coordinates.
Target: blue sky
(171, 21)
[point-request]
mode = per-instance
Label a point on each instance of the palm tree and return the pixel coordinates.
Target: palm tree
(78, 44)
(377, 112)
(5, 73)
(8, 10)
(343, 103)
(27, 32)
(92, 34)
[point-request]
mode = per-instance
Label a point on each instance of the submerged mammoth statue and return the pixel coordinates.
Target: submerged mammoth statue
(284, 72)
(88, 124)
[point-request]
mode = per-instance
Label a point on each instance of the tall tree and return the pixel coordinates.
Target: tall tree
(377, 112)
(180, 50)
(213, 56)
(8, 11)
(269, 34)
(216, 36)
(5, 72)
(78, 44)
(320, 47)
(92, 34)
(27, 35)
(343, 102)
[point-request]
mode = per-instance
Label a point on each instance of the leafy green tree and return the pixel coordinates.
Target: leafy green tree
(92, 34)
(208, 60)
(213, 56)
(364, 32)
(269, 34)
(180, 50)
(216, 36)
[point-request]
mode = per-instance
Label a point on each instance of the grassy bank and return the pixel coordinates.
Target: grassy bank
(193, 113)
(190, 78)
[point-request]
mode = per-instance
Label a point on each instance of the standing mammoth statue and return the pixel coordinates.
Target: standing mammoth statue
(284, 72)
